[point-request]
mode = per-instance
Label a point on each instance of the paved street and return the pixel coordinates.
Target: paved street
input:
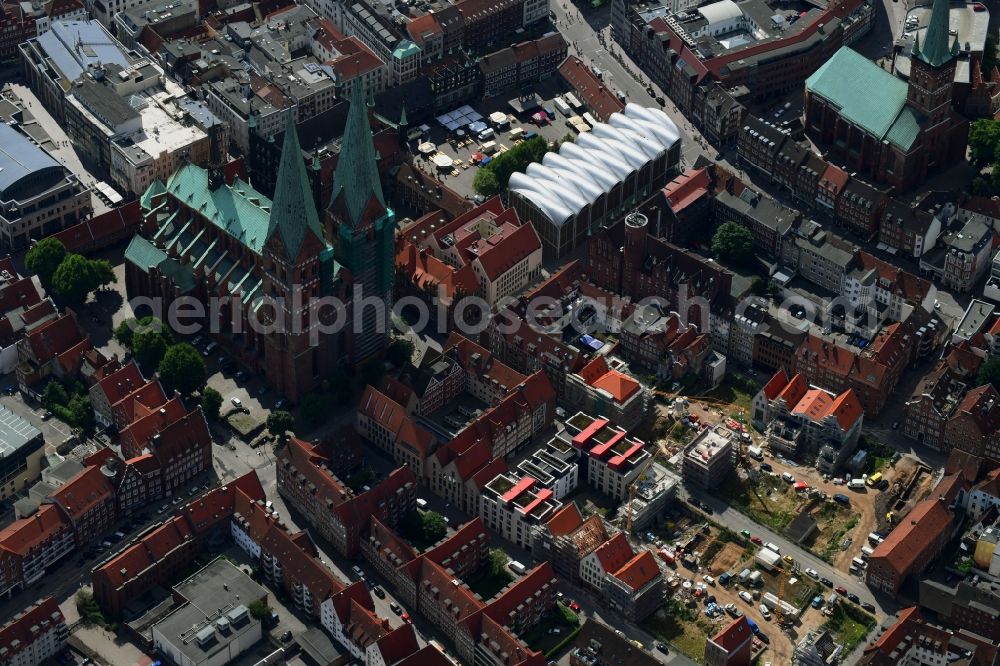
(581, 32)
(62, 150)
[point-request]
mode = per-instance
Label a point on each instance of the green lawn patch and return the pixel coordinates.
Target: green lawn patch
(487, 584)
(849, 625)
(768, 503)
(736, 391)
(540, 639)
(685, 636)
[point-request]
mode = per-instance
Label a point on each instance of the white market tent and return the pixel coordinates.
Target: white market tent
(442, 161)
(564, 183)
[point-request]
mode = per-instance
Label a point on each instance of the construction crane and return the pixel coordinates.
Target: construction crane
(631, 492)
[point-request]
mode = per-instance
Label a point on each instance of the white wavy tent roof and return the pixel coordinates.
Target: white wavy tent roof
(563, 183)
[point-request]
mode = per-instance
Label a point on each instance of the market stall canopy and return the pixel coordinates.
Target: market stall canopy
(442, 161)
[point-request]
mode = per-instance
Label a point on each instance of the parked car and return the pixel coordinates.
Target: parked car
(746, 596)
(765, 611)
(395, 608)
(378, 592)
(573, 606)
(237, 403)
(870, 607)
(854, 598)
(840, 589)
(285, 637)
(766, 467)
(406, 618)
(757, 540)
(745, 533)
(826, 581)
(662, 647)
(812, 573)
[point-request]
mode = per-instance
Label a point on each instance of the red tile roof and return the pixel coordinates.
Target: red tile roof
(121, 382)
(205, 512)
(380, 409)
(621, 387)
(982, 404)
(398, 549)
(83, 492)
(488, 472)
(794, 390)
(505, 645)
(923, 526)
(54, 337)
(590, 89)
(102, 229)
(22, 535)
(614, 553)
(422, 27)
(355, 511)
(398, 644)
(137, 435)
(141, 402)
(498, 255)
(449, 589)
(903, 283)
(315, 467)
(524, 588)
(463, 350)
(734, 635)
(834, 179)
(775, 384)
(146, 553)
(565, 520)
(17, 635)
(356, 592)
(425, 656)
(299, 564)
(638, 572)
(466, 535)
(686, 188)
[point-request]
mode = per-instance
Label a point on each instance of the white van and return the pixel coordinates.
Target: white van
(866, 552)
(489, 147)
(856, 484)
(561, 106)
(765, 611)
(421, 503)
(787, 477)
(708, 579)
(745, 596)
(755, 452)
(487, 134)
(772, 547)
(517, 567)
(858, 563)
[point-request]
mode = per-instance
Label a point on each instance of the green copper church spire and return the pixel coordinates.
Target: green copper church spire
(293, 213)
(356, 182)
(937, 50)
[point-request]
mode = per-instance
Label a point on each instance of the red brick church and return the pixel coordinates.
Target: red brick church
(897, 132)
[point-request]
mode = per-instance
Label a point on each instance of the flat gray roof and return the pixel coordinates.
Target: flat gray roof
(216, 611)
(15, 432)
(21, 159)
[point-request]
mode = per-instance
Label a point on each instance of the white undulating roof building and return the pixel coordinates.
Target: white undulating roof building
(592, 182)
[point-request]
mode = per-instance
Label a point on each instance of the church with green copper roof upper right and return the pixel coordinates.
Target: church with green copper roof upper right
(895, 132)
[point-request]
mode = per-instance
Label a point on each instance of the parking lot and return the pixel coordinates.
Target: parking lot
(460, 179)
